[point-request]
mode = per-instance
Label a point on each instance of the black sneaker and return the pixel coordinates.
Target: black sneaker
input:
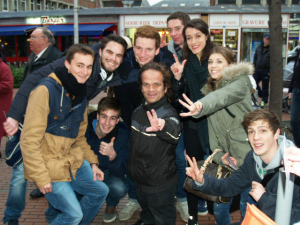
(13, 222)
(192, 221)
(36, 193)
(110, 214)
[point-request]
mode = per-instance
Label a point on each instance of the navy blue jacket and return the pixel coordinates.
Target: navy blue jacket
(118, 166)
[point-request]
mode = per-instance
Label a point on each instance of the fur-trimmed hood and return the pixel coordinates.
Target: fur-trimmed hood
(236, 70)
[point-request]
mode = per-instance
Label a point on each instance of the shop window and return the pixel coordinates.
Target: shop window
(23, 46)
(38, 5)
(251, 2)
(226, 2)
(5, 5)
(65, 7)
(16, 5)
(295, 2)
(23, 5)
(8, 46)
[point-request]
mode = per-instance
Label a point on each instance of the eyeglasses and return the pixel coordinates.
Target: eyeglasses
(33, 38)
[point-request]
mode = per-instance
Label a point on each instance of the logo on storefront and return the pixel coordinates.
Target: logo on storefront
(53, 20)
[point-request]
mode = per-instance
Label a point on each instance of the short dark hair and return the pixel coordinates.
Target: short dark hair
(78, 48)
(262, 114)
(150, 32)
(165, 72)
(115, 38)
(109, 103)
(182, 16)
(202, 26)
(47, 33)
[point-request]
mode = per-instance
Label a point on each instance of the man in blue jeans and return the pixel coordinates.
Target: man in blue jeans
(55, 152)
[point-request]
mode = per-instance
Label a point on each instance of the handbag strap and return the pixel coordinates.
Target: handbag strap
(209, 159)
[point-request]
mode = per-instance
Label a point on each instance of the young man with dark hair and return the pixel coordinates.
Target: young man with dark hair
(109, 139)
(260, 167)
(55, 152)
(155, 132)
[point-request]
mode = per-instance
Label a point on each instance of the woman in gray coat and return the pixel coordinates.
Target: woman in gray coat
(227, 99)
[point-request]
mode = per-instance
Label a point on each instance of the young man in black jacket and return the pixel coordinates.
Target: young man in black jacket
(260, 167)
(155, 132)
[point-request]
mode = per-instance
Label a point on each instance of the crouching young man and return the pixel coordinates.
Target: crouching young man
(55, 152)
(260, 167)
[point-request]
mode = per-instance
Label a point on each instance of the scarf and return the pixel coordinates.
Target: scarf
(196, 77)
(76, 91)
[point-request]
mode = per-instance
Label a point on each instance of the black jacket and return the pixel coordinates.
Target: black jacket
(262, 59)
(152, 158)
(94, 85)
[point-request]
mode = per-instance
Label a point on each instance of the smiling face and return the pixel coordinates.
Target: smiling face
(263, 140)
(111, 56)
(145, 50)
(107, 120)
(153, 85)
(175, 28)
(196, 40)
(216, 64)
(80, 67)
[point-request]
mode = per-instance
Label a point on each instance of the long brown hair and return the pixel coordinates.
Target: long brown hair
(228, 55)
(200, 25)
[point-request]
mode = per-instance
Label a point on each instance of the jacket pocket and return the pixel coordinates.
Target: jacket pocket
(58, 169)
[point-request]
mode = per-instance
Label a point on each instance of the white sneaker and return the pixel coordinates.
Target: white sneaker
(182, 208)
(128, 210)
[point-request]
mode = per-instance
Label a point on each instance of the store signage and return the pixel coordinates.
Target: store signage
(159, 21)
(260, 20)
(217, 20)
(46, 20)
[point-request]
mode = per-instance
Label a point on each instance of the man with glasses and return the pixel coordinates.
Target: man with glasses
(42, 50)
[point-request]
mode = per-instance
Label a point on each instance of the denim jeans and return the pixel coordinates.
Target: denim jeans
(264, 78)
(181, 165)
(222, 211)
(64, 199)
(295, 116)
(157, 208)
(15, 202)
(117, 186)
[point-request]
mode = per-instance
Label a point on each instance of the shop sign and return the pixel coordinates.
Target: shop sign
(232, 20)
(260, 20)
(46, 20)
(159, 21)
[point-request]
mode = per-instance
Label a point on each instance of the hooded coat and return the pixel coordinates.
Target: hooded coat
(225, 108)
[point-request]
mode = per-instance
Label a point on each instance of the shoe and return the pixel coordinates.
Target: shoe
(192, 221)
(141, 222)
(182, 208)
(36, 193)
(13, 222)
(127, 212)
(110, 214)
(202, 208)
(262, 104)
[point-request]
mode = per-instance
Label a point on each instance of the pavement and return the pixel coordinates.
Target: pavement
(33, 213)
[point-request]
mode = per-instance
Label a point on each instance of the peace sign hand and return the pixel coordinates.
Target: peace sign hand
(177, 68)
(194, 108)
(156, 123)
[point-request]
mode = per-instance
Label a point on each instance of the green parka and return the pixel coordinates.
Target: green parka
(225, 108)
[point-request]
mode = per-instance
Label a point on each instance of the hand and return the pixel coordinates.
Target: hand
(162, 40)
(290, 95)
(257, 190)
(177, 68)
(11, 126)
(108, 149)
(156, 123)
(46, 189)
(225, 161)
(293, 160)
(194, 108)
(193, 171)
(97, 173)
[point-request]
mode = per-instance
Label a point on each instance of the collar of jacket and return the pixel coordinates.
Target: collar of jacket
(46, 53)
(155, 105)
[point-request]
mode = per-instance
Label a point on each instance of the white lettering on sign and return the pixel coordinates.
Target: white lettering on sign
(52, 20)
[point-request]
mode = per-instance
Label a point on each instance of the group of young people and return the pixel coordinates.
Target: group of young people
(179, 101)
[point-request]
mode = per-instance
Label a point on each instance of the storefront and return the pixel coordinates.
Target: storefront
(14, 38)
(130, 23)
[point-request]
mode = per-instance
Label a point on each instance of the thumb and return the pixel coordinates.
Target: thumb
(112, 140)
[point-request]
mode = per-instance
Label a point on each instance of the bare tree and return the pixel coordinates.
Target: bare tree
(276, 70)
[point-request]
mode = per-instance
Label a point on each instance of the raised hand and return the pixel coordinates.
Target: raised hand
(177, 68)
(193, 171)
(108, 149)
(194, 108)
(156, 123)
